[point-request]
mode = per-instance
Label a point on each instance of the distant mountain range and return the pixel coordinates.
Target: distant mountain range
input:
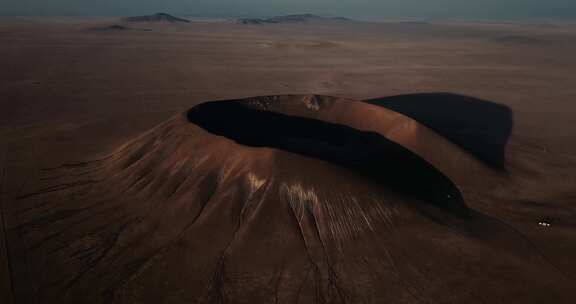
(300, 18)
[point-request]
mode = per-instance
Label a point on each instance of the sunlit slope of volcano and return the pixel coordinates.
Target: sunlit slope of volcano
(291, 199)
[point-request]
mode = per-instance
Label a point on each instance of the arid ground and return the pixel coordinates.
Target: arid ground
(73, 90)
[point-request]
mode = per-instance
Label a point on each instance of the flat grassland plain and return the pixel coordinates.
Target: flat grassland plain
(73, 89)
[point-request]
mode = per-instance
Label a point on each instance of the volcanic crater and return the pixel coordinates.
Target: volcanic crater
(295, 199)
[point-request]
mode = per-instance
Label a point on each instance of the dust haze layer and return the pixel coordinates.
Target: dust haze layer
(370, 8)
(274, 209)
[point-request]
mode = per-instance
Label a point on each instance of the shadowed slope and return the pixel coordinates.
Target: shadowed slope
(481, 127)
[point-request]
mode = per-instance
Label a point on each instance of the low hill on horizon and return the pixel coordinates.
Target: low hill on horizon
(158, 17)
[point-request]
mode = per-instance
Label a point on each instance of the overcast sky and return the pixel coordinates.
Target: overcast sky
(350, 8)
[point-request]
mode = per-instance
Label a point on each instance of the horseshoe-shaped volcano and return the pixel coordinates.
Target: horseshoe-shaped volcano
(283, 199)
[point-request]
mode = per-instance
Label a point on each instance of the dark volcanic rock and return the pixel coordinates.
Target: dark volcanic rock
(254, 21)
(111, 28)
(117, 28)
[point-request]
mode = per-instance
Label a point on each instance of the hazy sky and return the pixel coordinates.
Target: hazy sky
(351, 8)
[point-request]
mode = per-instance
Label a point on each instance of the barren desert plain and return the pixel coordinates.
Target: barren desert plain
(114, 191)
